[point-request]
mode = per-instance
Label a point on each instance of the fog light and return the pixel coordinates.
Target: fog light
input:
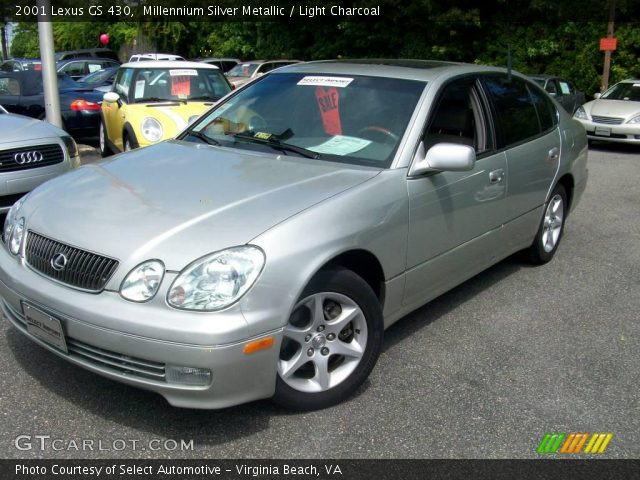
(188, 375)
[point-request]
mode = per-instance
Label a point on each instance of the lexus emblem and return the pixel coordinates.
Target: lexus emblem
(58, 262)
(28, 157)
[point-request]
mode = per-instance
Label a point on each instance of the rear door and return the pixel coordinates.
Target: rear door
(526, 127)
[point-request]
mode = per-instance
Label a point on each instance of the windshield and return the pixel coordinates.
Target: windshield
(354, 119)
(178, 84)
(624, 91)
(242, 70)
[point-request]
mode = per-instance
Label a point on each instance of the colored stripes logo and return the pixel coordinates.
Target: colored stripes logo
(572, 443)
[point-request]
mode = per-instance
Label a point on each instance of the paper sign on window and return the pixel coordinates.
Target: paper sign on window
(181, 86)
(329, 104)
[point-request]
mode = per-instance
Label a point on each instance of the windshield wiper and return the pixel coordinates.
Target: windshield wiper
(205, 97)
(157, 99)
(276, 144)
(204, 138)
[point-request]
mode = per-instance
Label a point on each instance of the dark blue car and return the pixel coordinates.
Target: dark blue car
(22, 93)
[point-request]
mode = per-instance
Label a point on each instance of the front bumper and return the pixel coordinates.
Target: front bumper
(623, 133)
(134, 359)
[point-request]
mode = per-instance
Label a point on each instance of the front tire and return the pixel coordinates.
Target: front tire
(551, 227)
(105, 151)
(331, 342)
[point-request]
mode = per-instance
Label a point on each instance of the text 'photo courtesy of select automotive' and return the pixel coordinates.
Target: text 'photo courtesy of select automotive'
(319, 239)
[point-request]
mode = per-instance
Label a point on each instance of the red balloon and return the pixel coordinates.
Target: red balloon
(104, 38)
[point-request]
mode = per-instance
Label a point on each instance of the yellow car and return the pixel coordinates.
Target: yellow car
(155, 100)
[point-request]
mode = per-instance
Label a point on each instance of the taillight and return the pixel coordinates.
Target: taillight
(78, 105)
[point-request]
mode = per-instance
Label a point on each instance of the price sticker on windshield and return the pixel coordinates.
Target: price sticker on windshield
(339, 82)
(183, 71)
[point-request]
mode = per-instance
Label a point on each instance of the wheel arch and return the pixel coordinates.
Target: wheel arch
(364, 264)
(568, 183)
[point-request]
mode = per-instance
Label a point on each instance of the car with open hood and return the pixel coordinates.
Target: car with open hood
(263, 251)
(153, 101)
(613, 116)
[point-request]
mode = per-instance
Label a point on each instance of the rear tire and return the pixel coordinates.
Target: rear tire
(551, 228)
(331, 342)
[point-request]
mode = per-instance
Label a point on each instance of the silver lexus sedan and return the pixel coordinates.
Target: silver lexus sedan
(263, 252)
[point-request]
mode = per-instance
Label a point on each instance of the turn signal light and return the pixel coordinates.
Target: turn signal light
(257, 345)
(79, 105)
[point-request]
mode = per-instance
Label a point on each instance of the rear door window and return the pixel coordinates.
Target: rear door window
(515, 113)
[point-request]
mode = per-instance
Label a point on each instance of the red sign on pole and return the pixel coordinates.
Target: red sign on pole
(608, 43)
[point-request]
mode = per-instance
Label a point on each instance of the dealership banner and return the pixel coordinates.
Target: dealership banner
(320, 469)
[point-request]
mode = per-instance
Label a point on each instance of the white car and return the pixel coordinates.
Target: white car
(141, 57)
(31, 152)
(613, 116)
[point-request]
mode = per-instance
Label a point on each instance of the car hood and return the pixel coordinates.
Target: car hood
(18, 128)
(174, 117)
(613, 108)
(178, 201)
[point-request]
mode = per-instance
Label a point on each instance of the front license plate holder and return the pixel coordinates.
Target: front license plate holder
(44, 327)
(603, 132)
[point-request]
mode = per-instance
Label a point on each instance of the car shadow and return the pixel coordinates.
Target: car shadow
(445, 303)
(149, 412)
(599, 146)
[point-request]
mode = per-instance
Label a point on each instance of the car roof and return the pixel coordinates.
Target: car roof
(168, 64)
(542, 76)
(424, 70)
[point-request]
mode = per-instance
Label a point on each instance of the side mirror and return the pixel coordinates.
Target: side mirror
(597, 95)
(450, 157)
(111, 97)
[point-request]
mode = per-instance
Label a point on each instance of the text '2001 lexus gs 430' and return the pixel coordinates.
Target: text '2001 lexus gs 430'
(263, 252)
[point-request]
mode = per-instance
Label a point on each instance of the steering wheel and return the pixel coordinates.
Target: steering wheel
(385, 131)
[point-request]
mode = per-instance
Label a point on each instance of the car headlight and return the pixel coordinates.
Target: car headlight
(17, 233)
(151, 129)
(216, 281)
(143, 282)
(11, 218)
(71, 145)
(581, 114)
(635, 119)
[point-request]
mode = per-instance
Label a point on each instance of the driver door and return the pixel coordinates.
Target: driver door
(114, 112)
(455, 218)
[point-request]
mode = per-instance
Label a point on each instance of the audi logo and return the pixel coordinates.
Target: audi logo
(28, 157)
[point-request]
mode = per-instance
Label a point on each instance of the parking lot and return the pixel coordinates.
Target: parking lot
(483, 371)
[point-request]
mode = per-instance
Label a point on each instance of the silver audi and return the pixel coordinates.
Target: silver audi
(263, 252)
(31, 152)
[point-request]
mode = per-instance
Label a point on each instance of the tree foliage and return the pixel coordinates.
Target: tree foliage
(542, 36)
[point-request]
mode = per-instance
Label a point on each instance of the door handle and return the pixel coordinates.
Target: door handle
(496, 176)
(554, 153)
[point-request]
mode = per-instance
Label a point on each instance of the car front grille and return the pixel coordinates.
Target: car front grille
(89, 354)
(24, 158)
(82, 269)
(607, 120)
